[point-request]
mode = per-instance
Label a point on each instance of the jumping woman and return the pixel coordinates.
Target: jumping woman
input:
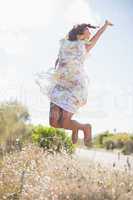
(69, 82)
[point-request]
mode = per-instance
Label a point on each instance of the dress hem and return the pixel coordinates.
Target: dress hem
(62, 107)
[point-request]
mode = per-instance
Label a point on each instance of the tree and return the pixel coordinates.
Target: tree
(13, 118)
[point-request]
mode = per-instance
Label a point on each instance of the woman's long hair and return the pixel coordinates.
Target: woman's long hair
(78, 30)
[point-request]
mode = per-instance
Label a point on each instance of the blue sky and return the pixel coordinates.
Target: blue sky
(29, 41)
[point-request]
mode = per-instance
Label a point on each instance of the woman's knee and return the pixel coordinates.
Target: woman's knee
(53, 122)
(64, 122)
(66, 117)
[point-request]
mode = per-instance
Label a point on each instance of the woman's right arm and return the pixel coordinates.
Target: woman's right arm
(95, 38)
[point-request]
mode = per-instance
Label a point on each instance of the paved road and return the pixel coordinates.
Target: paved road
(110, 159)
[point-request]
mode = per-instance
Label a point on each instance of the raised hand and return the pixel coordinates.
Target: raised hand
(108, 23)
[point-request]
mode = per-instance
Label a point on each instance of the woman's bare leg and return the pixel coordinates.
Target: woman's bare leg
(60, 118)
(87, 135)
(74, 130)
(55, 120)
(68, 123)
(54, 115)
(74, 135)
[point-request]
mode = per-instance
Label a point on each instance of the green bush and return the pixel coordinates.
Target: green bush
(52, 139)
(116, 141)
(109, 144)
(131, 137)
(99, 139)
(113, 141)
(128, 148)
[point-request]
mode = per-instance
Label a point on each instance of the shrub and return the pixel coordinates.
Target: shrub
(110, 141)
(99, 139)
(128, 148)
(131, 136)
(109, 144)
(123, 137)
(52, 139)
(13, 123)
(119, 144)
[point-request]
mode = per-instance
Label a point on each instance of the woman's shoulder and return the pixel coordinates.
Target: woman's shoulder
(65, 41)
(75, 42)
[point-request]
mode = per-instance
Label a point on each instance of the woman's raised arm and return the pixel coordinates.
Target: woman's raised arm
(95, 38)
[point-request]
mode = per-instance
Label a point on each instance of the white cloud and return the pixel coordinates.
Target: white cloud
(17, 13)
(80, 11)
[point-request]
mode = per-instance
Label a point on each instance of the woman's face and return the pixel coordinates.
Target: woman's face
(85, 35)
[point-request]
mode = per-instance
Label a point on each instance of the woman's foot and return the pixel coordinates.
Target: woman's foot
(74, 136)
(87, 135)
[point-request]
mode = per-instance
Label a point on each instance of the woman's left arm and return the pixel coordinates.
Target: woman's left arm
(95, 38)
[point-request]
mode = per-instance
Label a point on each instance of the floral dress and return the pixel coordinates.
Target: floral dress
(67, 85)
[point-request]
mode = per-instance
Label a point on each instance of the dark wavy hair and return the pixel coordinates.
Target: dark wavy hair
(78, 30)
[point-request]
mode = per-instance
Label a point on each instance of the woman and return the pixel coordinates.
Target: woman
(68, 88)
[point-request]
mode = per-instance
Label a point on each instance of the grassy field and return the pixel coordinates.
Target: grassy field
(35, 174)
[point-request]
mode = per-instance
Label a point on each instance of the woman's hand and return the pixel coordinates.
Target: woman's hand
(108, 23)
(95, 38)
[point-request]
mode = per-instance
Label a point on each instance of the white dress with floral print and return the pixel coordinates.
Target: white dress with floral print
(67, 85)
